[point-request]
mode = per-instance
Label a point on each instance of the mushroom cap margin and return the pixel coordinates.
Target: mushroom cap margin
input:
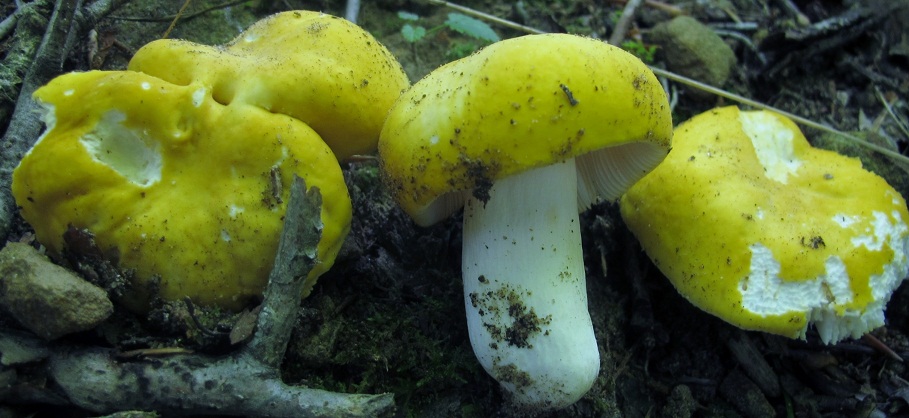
(208, 227)
(516, 105)
(321, 69)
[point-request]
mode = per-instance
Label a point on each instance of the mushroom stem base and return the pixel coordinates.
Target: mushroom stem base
(525, 288)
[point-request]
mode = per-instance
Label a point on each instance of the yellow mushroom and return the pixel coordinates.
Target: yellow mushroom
(187, 192)
(753, 225)
(320, 69)
(526, 133)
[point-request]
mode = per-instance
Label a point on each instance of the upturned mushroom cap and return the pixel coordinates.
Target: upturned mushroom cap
(320, 69)
(185, 191)
(753, 225)
(520, 104)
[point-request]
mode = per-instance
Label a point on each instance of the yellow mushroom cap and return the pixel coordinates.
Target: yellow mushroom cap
(321, 69)
(520, 104)
(753, 225)
(187, 192)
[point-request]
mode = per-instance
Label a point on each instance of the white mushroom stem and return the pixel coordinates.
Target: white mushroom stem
(525, 288)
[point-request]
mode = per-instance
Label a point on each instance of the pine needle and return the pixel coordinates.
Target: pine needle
(176, 18)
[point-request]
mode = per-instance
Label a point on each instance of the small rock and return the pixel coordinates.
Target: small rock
(45, 298)
(21, 348)
(695, 51)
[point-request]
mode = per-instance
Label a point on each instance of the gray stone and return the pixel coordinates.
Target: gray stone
(45, 298)
(694, 51)
(21, 348)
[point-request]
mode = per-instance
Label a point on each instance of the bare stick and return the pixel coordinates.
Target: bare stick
(621, 27)
(486, 16)
(352, 10)
(96, 380)
(7, 25)
(176, 18)
(297, 254)
(790, 7)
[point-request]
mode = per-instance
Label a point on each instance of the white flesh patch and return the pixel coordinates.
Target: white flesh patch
(199, 96)
(759, 214)
(895, 235)
(49, 117)
(765, 293)
(128, 152)
(773, 143)
(234, 210)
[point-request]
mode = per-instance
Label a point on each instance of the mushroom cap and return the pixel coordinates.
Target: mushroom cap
(321, 69)
(186, 192)
(753, 225)
(520, 104)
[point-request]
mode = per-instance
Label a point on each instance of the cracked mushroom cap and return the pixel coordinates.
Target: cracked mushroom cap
(520, 104)
(183, 190)
(753, 225)
(321, 69)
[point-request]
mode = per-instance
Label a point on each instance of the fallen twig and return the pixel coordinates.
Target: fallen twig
(297, 254)
(187, 384)
(621, 27)
(8, 23)
(184, 17)
(793, 9)
(879, 345)
(352, 11)
(896, 119)
(486, 16)
(175, 19)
